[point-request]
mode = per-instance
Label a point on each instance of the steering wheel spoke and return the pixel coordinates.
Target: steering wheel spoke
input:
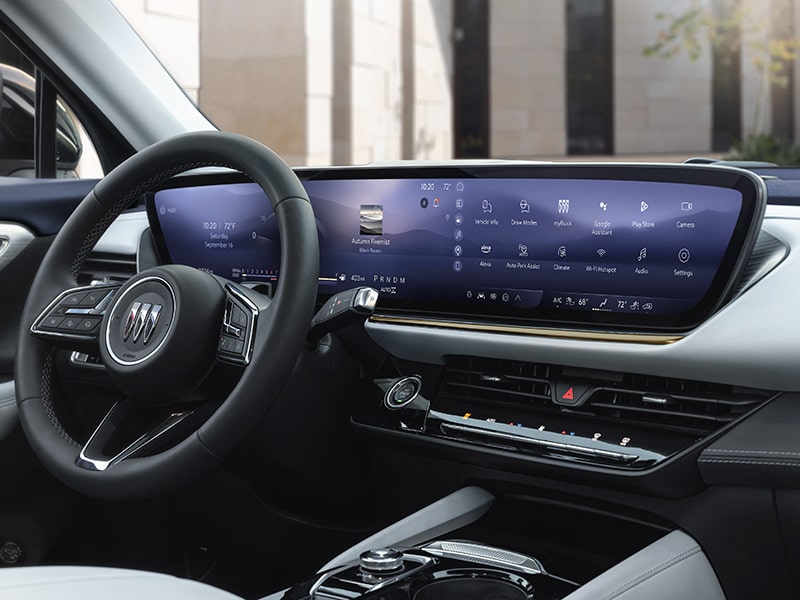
(75, 314)
(127, 431)
(238, 327)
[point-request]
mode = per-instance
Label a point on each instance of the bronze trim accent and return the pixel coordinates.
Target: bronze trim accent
(597, 336)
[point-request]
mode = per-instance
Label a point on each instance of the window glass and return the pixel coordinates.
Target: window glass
(75, 153)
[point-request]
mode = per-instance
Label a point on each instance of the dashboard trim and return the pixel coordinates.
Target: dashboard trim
(572, 334)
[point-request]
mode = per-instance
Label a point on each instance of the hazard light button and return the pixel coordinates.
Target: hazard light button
(571, 393)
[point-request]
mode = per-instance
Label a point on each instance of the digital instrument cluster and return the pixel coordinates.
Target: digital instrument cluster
(639, 246)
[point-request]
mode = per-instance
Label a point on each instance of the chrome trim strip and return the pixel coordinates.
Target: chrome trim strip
(423, 561)
(141, 319)
(131, 320)
(598, 336)
(152, 321)
(92, 463)
(573, 448)
(485, 555)
(319, 582)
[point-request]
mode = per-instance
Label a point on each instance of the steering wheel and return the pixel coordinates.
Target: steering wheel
(167, 336)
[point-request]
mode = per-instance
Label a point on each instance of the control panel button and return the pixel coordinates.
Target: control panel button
(226, 343)
(571, 393)
(403, 392)
(92, 299)
(238, 316)
(52, 321)
(70, 323)
(74, 299)
(382, 560)
(88, 325)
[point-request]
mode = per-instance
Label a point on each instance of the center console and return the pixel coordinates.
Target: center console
(439, 570)
(422, 557)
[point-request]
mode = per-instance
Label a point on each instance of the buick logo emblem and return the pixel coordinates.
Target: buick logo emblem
(141, 322)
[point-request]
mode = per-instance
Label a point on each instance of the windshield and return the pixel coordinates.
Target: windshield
(350, 82)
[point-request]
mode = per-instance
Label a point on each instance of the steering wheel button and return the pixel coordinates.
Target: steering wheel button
(234, 331)
(74, 299)
(226, 343)
(238, 346)
(52, 322)
(88, 324)
(70, 323)
(92, 299)
(238, 317)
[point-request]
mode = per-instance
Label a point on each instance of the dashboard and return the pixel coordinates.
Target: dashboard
(575, 399)
(613, 253)
(604, 247)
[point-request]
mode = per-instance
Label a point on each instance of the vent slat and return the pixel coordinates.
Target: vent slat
(736, 400)
(493, 390)
(473, 379)
(701, 414)
(656, 411)
(101, 266)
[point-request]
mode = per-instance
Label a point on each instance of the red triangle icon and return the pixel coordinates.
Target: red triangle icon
(568, 395)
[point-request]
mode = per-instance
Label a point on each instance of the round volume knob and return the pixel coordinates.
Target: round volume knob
(382, 560)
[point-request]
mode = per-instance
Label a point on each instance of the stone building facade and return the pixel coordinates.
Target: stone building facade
(353, 81)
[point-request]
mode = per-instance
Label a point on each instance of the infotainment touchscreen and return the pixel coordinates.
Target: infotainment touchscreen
(626, 246)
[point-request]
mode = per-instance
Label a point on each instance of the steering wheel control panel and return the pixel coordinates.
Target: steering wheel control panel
(630, 246)
(440, 570)
(236, 337)
(76, 314)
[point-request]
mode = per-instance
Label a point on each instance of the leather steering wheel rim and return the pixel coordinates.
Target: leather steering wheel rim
(277, 342)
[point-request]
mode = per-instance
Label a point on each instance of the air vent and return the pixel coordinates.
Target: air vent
(673, 404)
(488, 380)
(104, 266)
(657, 403)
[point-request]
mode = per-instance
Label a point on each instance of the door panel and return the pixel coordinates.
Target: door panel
(41, 205)
(31, 212)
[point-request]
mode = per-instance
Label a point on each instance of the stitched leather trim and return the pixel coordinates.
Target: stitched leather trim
(651, 573)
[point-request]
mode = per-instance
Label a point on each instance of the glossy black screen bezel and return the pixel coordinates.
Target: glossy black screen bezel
(744, 234)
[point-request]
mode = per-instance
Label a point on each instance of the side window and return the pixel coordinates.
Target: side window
(74, 153)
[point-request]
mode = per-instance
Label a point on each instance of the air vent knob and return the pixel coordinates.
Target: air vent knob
(381, 560)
